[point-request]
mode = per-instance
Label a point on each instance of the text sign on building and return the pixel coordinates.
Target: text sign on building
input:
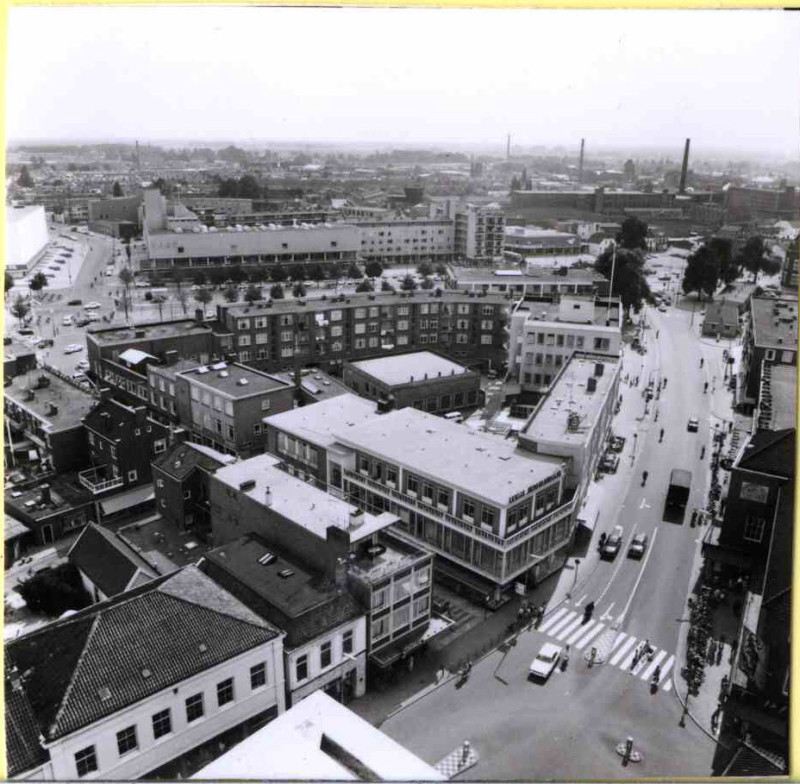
(753, 492)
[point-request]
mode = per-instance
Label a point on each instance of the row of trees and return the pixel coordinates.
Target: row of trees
(627, 260)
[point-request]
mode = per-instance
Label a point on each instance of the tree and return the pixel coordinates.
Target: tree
(754, 257)
(38, 282)
(441, 269)
(217, 277)
(317, 274)
(373, 269)
(249, 188)
(237, 275)
(55, 590)
(337, 270)
(514, 183)
(354, 272)
(116, 190)
(9, 282)
(629, 281)
(178, 277)
(702, 272)
(632, 234)
(230, 293)
(386, 286)
(20, 308)
(159, 302)
(25, 180)
(258, 275)
(203, 295)
(183, 298)
(199, 278)
(126, 277)
(278, 273)
(427, 284)
(723, 252)
(425, 269)
(252, 294)
(365, 285)
(408, 283)
(298, 273)
(299, 290)
(276, 291)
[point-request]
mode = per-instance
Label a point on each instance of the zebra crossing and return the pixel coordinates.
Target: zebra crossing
(567, 627)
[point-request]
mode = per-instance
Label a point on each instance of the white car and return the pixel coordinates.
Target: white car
(92, 306)
(67, 321)
(546, 660)
(83, 365)
(93, 317)
(73, 348)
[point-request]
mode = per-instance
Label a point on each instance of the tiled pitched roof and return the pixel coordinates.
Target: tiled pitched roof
(119, 652)
(182, 459)
(106, 560)
(23, 748)
(770, 452)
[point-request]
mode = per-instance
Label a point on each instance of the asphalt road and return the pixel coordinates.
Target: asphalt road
(569, 726)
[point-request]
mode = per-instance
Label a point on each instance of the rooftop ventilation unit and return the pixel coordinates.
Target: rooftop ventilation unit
(267, 559)
(242, 382)
(248, 484)
(202, 369)
(224, 374)
(285, 573)
(219, 366)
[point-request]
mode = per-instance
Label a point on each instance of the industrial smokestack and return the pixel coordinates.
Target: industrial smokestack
(685, 167)
(580, 163)
(508, 147)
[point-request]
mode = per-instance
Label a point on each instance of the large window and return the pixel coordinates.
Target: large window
(162, 723)
(421, 605)
(325, 655)
(86, 761)
(347, 641)
(380, 627)
(194, 708)
(402, 617)
(469, 510)
(754, 529)
(225, 692)
(126, 740)
(301, 668)
(258, 675)
(380, 598)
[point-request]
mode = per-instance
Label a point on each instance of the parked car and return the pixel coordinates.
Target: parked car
(546, 660)
(610, 463)
(82, 321)
(616, 443)
(83, 365)
(74, 302)
(73, 348)
(79, 376)
(92, 306)
(613, 544)
(693, 425)
(662, 308)
(67, 321)
(638, 545)
(45, 343)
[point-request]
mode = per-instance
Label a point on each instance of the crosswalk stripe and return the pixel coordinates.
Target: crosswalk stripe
(640, 665)
(561, 623)
(581, 630)
(667, 686)
(570, 627)
(667, 667)
(652, 668)
(622, 651)
(552, 619)
(626, 664)
(620, 637)
(597, 629)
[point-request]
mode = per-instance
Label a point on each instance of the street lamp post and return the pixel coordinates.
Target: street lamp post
(574, 578)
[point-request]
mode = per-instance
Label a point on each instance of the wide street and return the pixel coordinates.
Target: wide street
(569, 726)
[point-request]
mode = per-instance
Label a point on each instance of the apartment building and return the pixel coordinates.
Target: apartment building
(422, 379)
(407, 241)
(325, 533)
(491, 512)
(223, 405)
(326, 630)
(128, 687)
(479, 233)
(544, 335)
(325, 332)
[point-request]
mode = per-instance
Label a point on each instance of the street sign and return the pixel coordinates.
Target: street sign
(519, 589)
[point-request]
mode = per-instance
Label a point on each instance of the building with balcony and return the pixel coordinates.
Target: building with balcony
(422, 379)
(534, 283)
(331, 537)
(141, 685)
(326, 630)
(303, 436)
(407, 241)
(479, 233)
(325, 332)
(491, 512)
(573, 418)
(223, 405)
(45, 414)
(544, 336)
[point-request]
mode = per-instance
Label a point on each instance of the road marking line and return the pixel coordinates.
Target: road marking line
(623, 650)
(581, 600)
(652, 668)
(667, 667)
(620, 637)
(642, 505)
(641, 571)
(607, 614)
(581, 630)
(554, 630)
(589, 636)
(667, 686)
(569, 628)
(552, 619)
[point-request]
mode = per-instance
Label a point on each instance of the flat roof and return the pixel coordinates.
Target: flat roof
(319, 423)
(774, 319)
(530, 275)
(65, 493)
(782, 387)
(154, 331)
(316, 383)
(302, 503)
(550, 420)
(233, 379)
(72, 402)
(299, 740)
(406, 368)
(550, 311)
(478, 464)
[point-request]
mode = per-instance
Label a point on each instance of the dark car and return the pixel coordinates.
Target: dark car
(693, 425)
(75, 302)
(638, 545)
(82, 321)
(612, 544)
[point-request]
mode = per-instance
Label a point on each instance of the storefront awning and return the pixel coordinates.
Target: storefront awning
(726, 555)
(126, 500)
(400, 648)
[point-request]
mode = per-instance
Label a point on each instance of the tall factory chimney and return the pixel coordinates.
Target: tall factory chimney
(685, 167)
(580, 163)
(508, 147)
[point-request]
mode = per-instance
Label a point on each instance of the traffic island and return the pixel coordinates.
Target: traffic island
(458, 760)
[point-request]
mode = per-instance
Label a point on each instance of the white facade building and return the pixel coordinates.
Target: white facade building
(26, 238)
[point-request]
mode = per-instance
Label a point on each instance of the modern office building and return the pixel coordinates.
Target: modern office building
(544, 336)
(422, 379)
(479, 233)
(407, 241)
(117, 216)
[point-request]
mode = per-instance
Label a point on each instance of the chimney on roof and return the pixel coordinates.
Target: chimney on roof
(140, 413)
(199, 315)
(170, 357)
(45, 498)
(685, 167)
(268, 497)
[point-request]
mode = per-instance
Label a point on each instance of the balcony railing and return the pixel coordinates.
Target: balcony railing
(98, 481)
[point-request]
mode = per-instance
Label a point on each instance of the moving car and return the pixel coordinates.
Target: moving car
(92, 306)
(610, 462)
(67, 321)
(75, 302)
(45, 343)
(613, 544)
(82, 321)
(637, 546)
(73, 348)
(83, 365)
(546, 660)
(693, 425)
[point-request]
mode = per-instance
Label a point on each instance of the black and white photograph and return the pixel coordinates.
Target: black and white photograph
(399, 394)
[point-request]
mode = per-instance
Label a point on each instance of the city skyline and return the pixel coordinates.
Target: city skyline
(469, 89)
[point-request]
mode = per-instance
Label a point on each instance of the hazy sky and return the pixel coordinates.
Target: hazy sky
(727, 79)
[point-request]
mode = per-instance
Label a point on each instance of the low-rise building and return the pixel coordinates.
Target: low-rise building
(534, 283)
(18, 359)
(116, 215)
(132, 687)
(573, 419)
(422, 379)
(326, 631)
(721, 320)
(527, 241)
(544, 336)
(223, 405)
(26, 239)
